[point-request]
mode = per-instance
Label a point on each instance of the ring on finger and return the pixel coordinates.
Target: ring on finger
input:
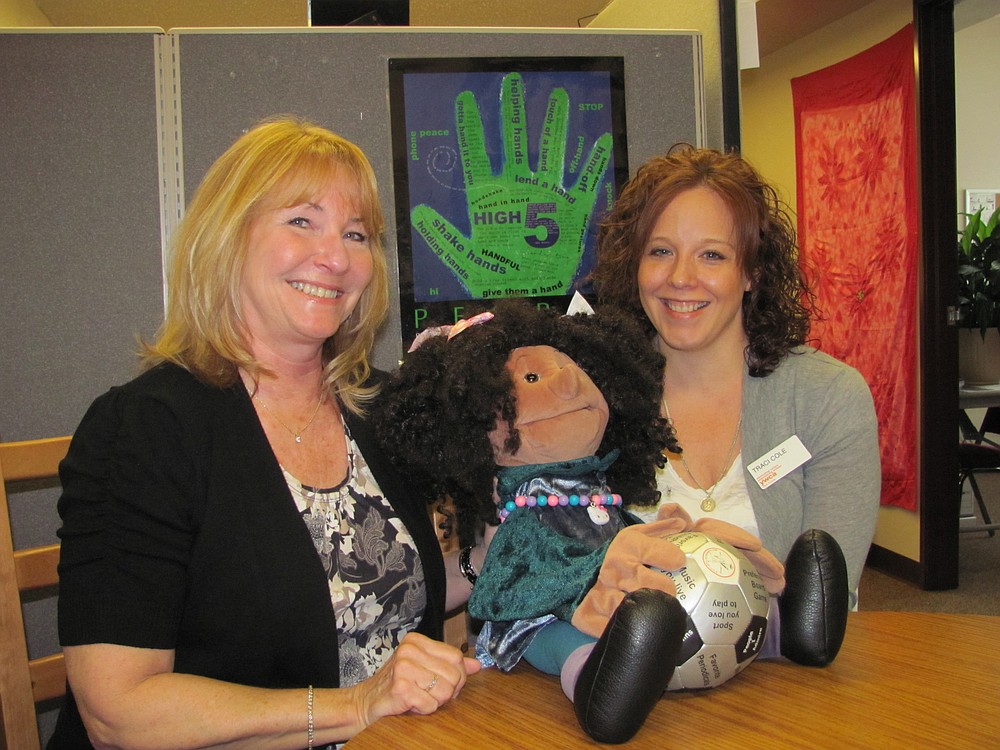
(432, 683)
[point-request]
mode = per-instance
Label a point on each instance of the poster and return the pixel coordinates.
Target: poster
(503, 169)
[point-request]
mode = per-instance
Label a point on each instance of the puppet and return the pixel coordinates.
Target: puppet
(532, 404)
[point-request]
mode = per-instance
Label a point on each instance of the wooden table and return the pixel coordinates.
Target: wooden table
(908, 680)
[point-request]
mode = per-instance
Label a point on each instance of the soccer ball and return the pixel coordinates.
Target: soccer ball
(727, 604)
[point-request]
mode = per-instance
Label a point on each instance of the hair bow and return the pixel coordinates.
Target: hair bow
(449, 331)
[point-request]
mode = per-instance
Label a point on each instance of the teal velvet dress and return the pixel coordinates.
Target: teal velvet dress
(543, 559)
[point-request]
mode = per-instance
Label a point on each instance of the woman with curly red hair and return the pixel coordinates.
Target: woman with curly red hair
(777, 437)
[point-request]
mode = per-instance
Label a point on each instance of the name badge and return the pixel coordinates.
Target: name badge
(778, 462)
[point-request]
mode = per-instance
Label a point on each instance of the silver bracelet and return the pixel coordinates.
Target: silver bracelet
(465, 565)
(309, 718)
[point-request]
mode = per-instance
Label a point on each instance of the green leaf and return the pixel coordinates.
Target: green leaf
(979, 271)
(992, 224)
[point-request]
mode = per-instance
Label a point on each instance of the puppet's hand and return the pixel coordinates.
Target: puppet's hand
(625, 570)
(771, 571)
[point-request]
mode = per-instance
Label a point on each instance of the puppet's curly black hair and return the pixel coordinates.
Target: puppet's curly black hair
(435, 414)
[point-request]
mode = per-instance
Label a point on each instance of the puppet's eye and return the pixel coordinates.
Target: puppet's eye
(531, 377)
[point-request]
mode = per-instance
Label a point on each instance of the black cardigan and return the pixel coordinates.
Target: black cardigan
(179, 532)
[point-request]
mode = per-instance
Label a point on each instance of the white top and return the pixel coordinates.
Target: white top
(730, 494)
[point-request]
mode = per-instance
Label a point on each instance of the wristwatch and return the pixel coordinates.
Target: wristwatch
(465, 565)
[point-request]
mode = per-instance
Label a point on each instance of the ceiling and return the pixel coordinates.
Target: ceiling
(779, 22)
(168, 14)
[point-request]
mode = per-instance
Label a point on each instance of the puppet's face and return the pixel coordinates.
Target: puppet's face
(561, 414)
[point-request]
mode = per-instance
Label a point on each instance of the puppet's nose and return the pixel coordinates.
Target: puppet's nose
(566, 383)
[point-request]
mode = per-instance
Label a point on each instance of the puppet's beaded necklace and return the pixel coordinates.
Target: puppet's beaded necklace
(708, 503)
(531, 501)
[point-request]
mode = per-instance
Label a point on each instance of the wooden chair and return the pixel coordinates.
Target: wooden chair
(24, 682)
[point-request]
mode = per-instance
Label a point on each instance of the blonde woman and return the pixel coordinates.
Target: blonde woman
(240, 565)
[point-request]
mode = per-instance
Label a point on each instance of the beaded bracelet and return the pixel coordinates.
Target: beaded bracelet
(309, 719)
(582, 501)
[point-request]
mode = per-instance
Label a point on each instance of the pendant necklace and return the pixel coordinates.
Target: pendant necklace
(293, 433)
(708, 503)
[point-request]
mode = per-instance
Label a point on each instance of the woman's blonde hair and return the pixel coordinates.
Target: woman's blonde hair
(281, 162)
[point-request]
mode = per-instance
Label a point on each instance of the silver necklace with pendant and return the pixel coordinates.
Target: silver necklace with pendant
(293, 433)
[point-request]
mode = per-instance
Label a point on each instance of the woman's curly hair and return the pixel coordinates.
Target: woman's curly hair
(436, 413)
(778, 307)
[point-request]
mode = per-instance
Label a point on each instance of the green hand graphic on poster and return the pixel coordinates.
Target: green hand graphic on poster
(528, 228)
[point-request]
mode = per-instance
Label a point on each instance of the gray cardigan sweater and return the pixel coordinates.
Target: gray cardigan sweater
(828, 405)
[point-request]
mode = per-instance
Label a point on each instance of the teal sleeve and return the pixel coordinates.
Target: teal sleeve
(531, 570)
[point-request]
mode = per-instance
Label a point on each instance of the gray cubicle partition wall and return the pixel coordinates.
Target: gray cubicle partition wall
(79, 221)
(82, 190)
(340, 78)
(79, 242)
(103, 133)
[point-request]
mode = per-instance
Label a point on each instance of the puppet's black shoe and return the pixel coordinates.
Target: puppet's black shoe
(630, 666)
(815, 601)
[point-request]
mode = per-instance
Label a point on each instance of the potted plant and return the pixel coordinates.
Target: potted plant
(979, 298)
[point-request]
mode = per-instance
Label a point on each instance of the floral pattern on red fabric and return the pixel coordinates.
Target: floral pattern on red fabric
(856, 164)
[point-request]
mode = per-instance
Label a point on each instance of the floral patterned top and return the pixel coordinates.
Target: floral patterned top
(372, 565)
